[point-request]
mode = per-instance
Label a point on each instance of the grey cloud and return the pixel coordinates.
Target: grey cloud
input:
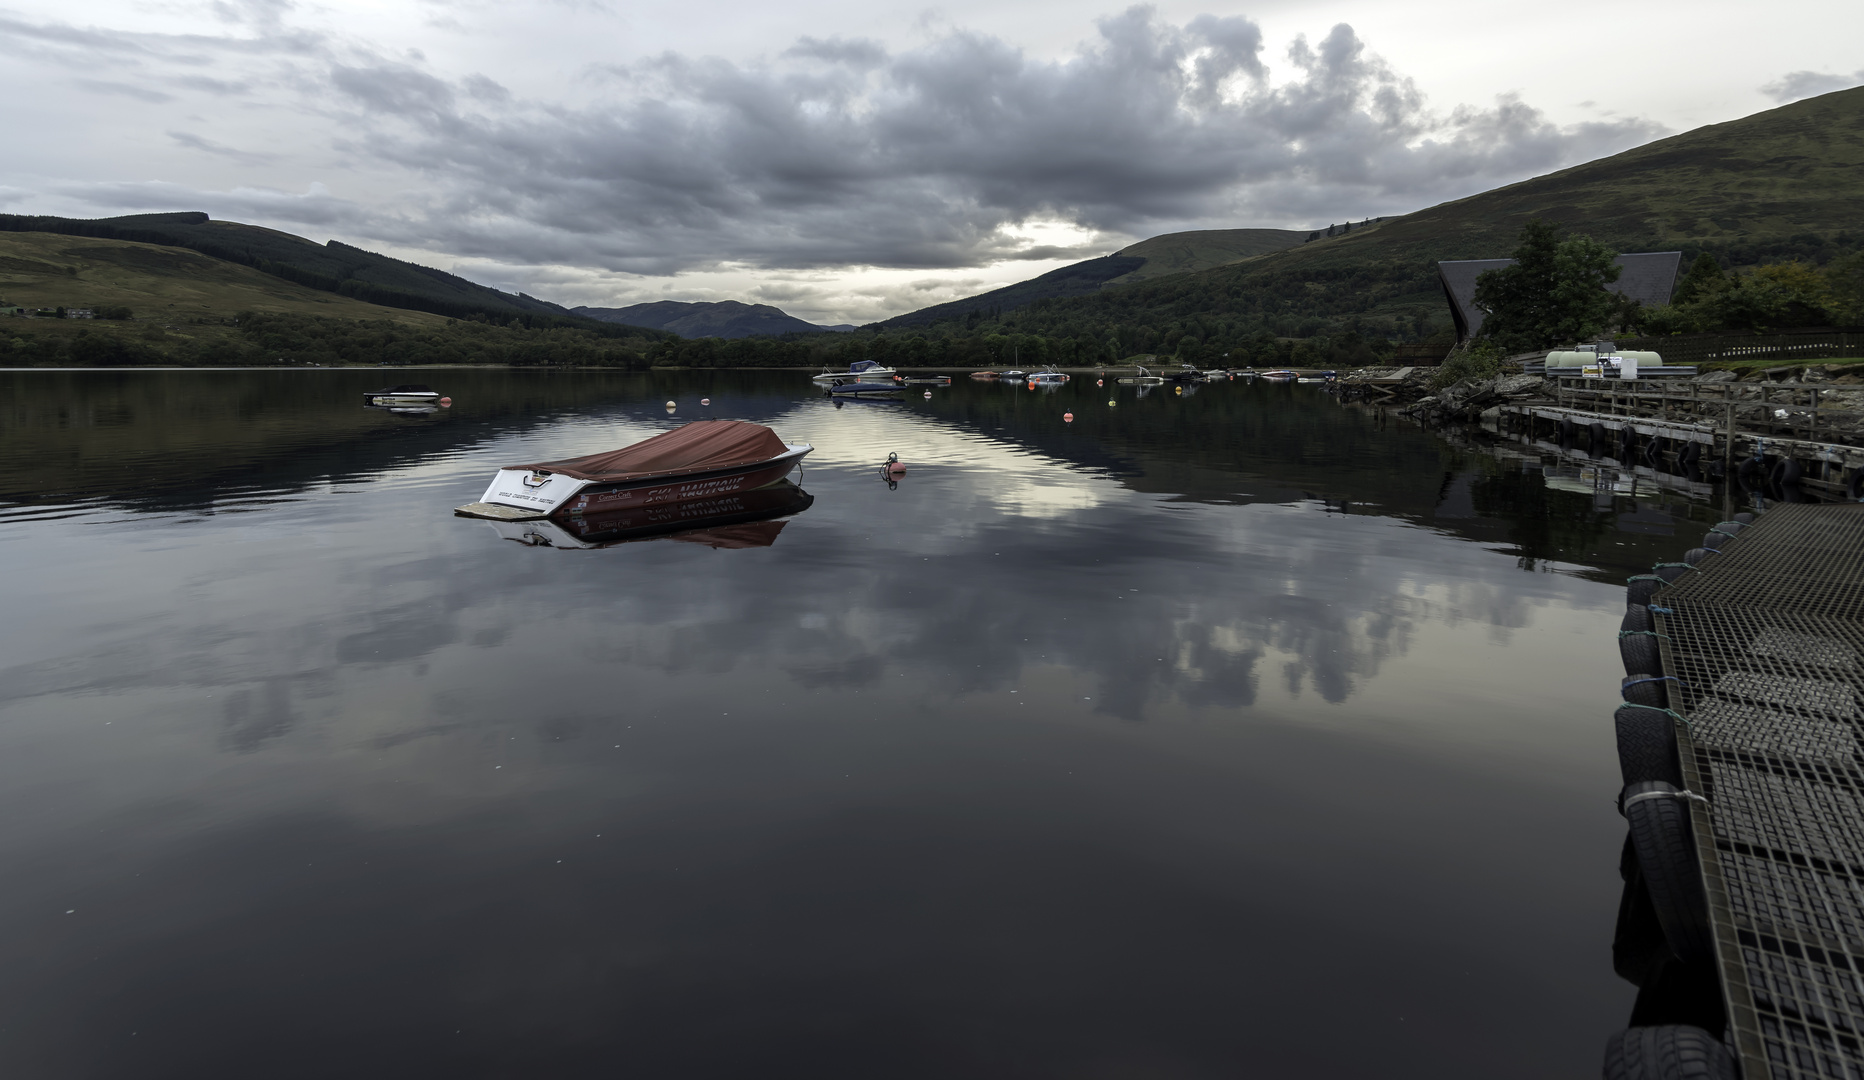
(1805, 84)
(208, 146)
(315, 206)
(140, 93)
(841, 153)
(858, 54)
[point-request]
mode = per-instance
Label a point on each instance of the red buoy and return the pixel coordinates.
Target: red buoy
(894, 466)
(1067, 418)
(705, 401)
(446, 402)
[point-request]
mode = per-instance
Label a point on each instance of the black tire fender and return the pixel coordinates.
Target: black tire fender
(1646, 745)
(1854, 485)
(1696, 556)
(1643, 688)
(1639, 589)
(1666, 855)
(1670, 1052)
(1597, 433)
(1638, 649)
(1786, 471)
(1744, 518)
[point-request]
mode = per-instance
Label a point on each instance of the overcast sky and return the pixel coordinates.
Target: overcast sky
(848, 160)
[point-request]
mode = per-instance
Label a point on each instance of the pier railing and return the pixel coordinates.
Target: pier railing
(1790, 346)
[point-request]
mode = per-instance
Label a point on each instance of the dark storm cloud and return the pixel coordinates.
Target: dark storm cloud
(841, 152)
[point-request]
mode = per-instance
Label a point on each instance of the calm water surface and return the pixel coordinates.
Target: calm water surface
(1235, 734)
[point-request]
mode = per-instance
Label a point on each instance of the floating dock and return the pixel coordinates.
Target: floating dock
(1762, 688)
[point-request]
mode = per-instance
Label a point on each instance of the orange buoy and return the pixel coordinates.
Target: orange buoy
(446, 403)
(1067, 418)
(1100, 382)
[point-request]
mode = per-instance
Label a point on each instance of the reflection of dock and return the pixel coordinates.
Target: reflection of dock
(1744, 903)
(1712, 425)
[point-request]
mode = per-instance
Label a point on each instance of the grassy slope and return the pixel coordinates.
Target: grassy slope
(165, 284)
(1182, 252)
(1772, 185)
(333, 267)
(1791, 170)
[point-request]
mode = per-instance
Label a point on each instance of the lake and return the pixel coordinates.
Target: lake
(1236, 733)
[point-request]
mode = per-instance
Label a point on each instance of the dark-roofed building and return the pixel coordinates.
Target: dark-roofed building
(1649, 277)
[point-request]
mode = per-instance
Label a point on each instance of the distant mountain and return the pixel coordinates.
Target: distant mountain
(333, 267)
(719, 319)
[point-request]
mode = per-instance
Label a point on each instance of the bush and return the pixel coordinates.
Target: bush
(1482, 360)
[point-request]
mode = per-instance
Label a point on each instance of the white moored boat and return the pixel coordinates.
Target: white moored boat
(859, 371)
(405, 394)
(701, 460)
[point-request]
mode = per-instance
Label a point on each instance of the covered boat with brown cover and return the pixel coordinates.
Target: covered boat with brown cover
(700, 460)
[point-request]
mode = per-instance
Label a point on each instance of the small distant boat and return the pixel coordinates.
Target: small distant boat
(928, 380)
(405, 394)
(1280, 375)
(1014, 374)
(985, 376)
(1052, 378)
(701, 460)
(859, 371)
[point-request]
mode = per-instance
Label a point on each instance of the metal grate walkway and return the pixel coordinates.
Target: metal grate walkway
(1767, 639)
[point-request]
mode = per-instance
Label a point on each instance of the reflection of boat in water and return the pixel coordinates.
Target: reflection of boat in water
(868, 370)
(985, 376)
(700, 460)
(407, 394)
(1048, 378)
(742, 520)
(405, 410)
(1282, 375)
(1144, 378)
(929, 380)
(865, 390)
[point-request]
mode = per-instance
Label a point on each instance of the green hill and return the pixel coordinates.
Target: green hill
(1781, 184)
(1183, 252)
(170, 305)
(169, 284)
(1078, 279)
(332, 267)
